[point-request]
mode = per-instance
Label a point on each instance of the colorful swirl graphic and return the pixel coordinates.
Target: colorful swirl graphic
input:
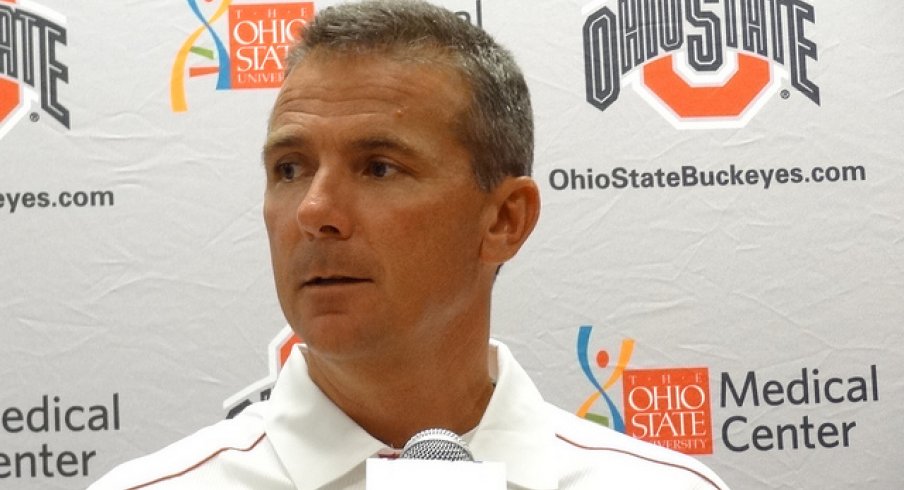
(602, 360)
(177, 78)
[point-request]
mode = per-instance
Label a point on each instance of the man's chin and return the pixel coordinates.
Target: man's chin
(336, 336)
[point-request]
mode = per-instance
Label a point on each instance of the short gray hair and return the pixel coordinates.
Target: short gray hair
(498, 126)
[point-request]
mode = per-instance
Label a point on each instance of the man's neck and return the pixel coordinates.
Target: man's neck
(393, 399)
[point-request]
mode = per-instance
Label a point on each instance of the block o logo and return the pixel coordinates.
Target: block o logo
(31, 38)
(9, 98)
(278, 352)
(698, 67)
(751, 79)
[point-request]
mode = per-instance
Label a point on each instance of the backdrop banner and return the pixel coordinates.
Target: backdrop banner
(718, 267)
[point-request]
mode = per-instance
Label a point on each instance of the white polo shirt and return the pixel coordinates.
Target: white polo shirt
(300, 439)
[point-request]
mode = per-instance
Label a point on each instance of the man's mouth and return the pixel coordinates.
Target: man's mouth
(333, 281)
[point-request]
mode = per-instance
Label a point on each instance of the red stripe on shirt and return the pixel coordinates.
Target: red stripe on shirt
(622, 451)
(200, 463)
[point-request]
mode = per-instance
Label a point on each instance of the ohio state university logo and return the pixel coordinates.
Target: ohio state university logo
(246, 50)
(698, 63)
(669, 407)
(31, 37)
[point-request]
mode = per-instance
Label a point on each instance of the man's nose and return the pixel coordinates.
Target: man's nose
(322, 212)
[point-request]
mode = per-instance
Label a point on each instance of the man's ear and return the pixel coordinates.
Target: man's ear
(514, 210)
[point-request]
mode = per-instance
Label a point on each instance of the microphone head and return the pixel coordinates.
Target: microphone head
(437, 444)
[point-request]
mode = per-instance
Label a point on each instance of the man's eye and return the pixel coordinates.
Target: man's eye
(380, 169)
(287, 172)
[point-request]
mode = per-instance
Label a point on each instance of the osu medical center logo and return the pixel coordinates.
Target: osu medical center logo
(667, 407)
(257, 38)
(31, 37)
(698, 63)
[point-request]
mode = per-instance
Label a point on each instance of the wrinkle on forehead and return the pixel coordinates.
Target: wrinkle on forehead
(290, 137)
(341, 101)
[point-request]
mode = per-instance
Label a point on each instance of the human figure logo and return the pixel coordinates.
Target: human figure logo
(699, 63)
(614, 419)
(31, 37)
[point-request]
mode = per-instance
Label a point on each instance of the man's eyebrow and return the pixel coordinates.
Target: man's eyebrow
(277, 140)
(384, 143)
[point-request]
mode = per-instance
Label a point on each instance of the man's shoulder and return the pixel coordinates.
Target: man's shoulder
(593, 455)
(195, 456)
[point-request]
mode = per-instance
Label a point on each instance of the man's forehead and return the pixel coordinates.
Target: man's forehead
(375, 83)
(424, 61)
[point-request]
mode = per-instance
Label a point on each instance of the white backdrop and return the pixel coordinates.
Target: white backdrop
(135, 286)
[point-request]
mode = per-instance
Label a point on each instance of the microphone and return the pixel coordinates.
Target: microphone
(437, 459)
(437, 444)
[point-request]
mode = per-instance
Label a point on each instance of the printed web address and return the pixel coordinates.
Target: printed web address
(15, 201)
(691, 176)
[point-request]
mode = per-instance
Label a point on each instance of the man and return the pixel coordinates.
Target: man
(398, 159)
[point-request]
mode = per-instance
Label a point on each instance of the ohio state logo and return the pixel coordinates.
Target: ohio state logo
(30, 72)
(699, 63)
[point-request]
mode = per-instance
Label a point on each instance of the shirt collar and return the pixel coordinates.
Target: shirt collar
(324, 443)
(515, 428)
(315, 440)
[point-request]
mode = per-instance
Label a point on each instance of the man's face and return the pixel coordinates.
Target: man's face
(373, 212)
